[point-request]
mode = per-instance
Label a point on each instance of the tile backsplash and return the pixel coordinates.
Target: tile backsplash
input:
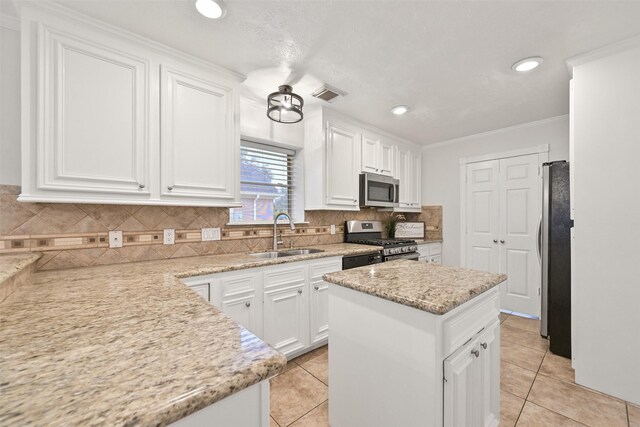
(76, 235)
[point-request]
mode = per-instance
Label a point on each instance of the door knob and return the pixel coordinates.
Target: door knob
(316, 288)
(476, 353)
(300, 291)
(483, 345)
(501, 241)
(169, 188)
(495, 240)
(141, 186)
(247, 304)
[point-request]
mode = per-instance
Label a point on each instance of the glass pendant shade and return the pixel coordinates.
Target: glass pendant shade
(284, 106)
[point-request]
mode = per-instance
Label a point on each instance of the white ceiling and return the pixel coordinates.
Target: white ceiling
(449, 60)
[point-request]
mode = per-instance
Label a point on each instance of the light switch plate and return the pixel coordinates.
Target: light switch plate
(333, 229)
(210, 234)
(169, 236)
(115, 239)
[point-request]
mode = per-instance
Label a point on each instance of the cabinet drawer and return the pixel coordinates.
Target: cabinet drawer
(285, 276)
(320, 269)
(240, 284)
(459, 328)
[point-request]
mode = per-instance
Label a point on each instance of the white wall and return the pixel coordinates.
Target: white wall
(9, 106)
(441, 167)
(606, 283)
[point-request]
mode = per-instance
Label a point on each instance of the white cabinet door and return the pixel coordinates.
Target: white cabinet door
(489, 341)
(342, 166)
(200, 142)
(286, 308)
(203, 289)
(93, 121)
(463, 387)
(387, 158)
(319, 299)
(436, 259)
(404, 175)
(483, 216)
(416, 179)
(370, 154)
(245, 309)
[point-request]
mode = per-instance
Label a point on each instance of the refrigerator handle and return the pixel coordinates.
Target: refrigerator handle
(539, 236)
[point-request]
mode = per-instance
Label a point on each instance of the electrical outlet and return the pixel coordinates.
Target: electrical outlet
(115, 239)
(169, 236)
(210, 234)
(333, 229)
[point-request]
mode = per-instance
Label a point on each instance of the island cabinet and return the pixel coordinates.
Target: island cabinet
(285, 305)
(109, 117)
(414, 344)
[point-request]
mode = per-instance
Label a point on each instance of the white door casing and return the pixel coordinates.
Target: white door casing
(482, 228)
(520, 207)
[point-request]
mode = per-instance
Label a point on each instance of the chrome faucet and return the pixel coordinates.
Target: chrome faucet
(276, 242)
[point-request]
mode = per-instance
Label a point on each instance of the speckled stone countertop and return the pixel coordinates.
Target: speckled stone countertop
(13, 263)
(127, 344)
(434, 288)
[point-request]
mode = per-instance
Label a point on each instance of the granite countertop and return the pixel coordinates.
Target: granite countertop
(127, 344)
(14, 263)
(433, 288)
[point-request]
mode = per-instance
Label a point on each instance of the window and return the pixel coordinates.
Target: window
(266, 182)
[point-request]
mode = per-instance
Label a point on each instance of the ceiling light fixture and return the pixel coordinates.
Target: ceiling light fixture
(399, 110)
(214, 9)
(527, 64)
(284, 106)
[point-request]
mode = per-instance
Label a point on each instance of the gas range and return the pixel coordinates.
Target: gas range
(370, 233)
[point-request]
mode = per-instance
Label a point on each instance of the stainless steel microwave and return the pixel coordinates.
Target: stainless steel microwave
(379, 191)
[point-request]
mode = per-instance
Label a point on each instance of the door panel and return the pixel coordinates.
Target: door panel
(520, 213)
(462, 387)
(244, 309)
(387, 159)
(490, 360)
(482, 213)
(342, 170)
(319, 316)
(370, 154)
(285, 318)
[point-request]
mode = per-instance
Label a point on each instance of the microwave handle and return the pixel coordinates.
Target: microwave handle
(393, 198)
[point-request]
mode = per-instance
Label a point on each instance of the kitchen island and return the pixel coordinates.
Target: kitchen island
(414, 344)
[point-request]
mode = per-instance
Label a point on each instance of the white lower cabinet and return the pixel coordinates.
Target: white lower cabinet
(285, 305)
(430, 253)
(472, 381)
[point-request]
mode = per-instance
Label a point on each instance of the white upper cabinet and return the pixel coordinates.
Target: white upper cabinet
(200, 144)
(332, 162)
(91, 116)
(378, 155)
(409, 173)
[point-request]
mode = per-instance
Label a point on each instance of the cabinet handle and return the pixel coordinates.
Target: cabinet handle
(484, 345)
(141, 186)
(247, 304)
(495, 240)
(476, 353)
(300, 291)
(170, 188)
(502, 241)
(316, 288)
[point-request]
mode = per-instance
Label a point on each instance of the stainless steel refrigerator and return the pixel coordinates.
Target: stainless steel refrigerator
(555, 254)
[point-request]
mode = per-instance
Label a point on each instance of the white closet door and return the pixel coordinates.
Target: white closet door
(519, 218)
(482, 204)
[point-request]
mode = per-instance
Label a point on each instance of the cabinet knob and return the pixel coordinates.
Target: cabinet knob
(300, 291)
(495, 240)
(317, 288)
(476, 353)
(247, 304)
(170, 188)
(501, 241)
(483, 345)
(377, 170)
(141, 186)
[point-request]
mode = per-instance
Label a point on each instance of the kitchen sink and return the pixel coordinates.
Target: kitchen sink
(280, 254)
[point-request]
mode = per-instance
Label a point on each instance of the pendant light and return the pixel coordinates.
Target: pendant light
(284, 106)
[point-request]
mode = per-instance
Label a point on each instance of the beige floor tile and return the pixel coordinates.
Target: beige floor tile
(510, 407)
(319, 417)
(294, 393)
(526, 338)
(273, 423)
(516, 380)
(522, 356)
(536, 416)
(578, 403)
(503, 317)
(318, 367)
(311, 355)
(524, 323)
(290, 365)
(634, 415)
(558, 367)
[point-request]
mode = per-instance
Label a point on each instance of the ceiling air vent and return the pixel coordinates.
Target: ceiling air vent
(328, 93)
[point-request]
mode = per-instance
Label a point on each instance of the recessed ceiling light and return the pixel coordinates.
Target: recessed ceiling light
(527, 64)
(214, 9)
(399, 110)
